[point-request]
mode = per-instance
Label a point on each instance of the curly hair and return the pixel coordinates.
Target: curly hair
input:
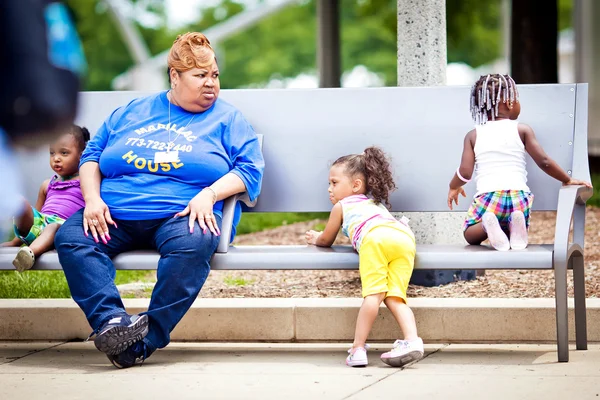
(487, 94)
(375, 167)
(190, 50)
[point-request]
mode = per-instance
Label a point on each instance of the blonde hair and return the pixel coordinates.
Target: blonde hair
(190, 50)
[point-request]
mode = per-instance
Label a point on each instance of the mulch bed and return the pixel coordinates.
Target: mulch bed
(298, 284)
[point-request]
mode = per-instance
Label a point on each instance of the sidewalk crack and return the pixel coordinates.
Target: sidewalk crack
(395, 372)
(13, 359)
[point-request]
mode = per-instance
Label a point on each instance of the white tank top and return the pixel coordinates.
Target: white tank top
(499, 157)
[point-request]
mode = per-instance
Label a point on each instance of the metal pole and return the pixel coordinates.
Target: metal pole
(328, 43)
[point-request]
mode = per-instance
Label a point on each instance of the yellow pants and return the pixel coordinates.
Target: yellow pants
(387, 259)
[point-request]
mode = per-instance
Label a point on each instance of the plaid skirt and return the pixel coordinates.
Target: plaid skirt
(502, 203)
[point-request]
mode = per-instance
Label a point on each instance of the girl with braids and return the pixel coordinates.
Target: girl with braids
(59, 198)
(359, 184)
(495, 150)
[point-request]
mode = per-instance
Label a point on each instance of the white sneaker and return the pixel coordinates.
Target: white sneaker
(358, 358)
(404, 353)
(518, 231)
(496, 235)
(24, 259)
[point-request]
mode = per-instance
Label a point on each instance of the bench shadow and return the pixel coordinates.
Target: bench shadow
(498, 357)
(89, 360)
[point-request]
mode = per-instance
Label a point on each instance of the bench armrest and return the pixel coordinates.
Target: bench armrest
(227, 222)
(571, 205)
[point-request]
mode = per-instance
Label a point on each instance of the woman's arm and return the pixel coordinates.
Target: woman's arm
(242, 146)
(327, 237)
(227, 186)
(96, 214)
(90, 178)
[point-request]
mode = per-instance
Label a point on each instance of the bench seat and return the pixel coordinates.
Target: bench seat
(429, 256)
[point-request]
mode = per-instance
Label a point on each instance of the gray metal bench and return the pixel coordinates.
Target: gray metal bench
(423, 130)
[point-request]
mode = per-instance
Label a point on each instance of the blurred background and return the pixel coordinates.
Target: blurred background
(276, 43)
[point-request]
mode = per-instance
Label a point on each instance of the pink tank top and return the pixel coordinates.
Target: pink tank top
(63, 198)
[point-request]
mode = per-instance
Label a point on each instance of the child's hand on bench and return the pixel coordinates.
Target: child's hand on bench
(577, 182)
(312, 236)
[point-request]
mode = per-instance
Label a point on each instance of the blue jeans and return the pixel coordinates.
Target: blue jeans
(182, 269)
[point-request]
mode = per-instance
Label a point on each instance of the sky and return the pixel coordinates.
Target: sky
(180, 12)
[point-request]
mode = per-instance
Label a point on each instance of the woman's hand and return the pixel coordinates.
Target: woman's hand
(201, 208)
(96, 216)
(577, 182)
(312, 236)
(453, 196)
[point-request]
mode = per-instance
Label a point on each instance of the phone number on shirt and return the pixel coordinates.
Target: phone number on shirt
(155, 145)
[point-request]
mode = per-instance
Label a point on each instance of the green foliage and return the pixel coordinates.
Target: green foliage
(256, 222)
(595, 200)
(51, 284)
(319, 227)
(285, 44)
(474, 31)
(237, 281)
(105, 52)
(565, 14)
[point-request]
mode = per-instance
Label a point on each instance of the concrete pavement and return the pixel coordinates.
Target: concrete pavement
(57, 370)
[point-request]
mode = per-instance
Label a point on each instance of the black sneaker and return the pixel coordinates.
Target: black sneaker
(135, 353)
(120, 332)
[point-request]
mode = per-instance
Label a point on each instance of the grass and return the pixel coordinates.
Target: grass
(237, 281)
(50, 284)
(256, 222)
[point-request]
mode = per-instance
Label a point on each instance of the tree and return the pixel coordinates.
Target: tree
(106, 54)
(534, 55)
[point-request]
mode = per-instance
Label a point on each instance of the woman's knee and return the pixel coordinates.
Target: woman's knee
(176, 238)
(201, 245)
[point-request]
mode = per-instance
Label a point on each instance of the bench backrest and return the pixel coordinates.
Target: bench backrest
(421, 128)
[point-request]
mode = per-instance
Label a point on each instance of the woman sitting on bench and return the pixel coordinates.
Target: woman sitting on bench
(154, 177)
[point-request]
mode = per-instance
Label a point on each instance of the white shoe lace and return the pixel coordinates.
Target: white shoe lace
(367, 347)
(400, 344)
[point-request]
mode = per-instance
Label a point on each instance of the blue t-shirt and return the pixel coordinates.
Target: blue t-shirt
(210, 144)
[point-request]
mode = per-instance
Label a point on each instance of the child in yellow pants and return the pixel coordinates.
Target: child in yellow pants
(358, 184)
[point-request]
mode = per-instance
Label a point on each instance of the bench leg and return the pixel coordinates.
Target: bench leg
(580, 308)
(562, 316)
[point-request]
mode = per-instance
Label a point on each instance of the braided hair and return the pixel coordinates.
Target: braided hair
(375, 167)
(487, 94)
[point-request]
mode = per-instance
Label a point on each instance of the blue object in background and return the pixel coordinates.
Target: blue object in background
(64, 47)
(10, 201)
